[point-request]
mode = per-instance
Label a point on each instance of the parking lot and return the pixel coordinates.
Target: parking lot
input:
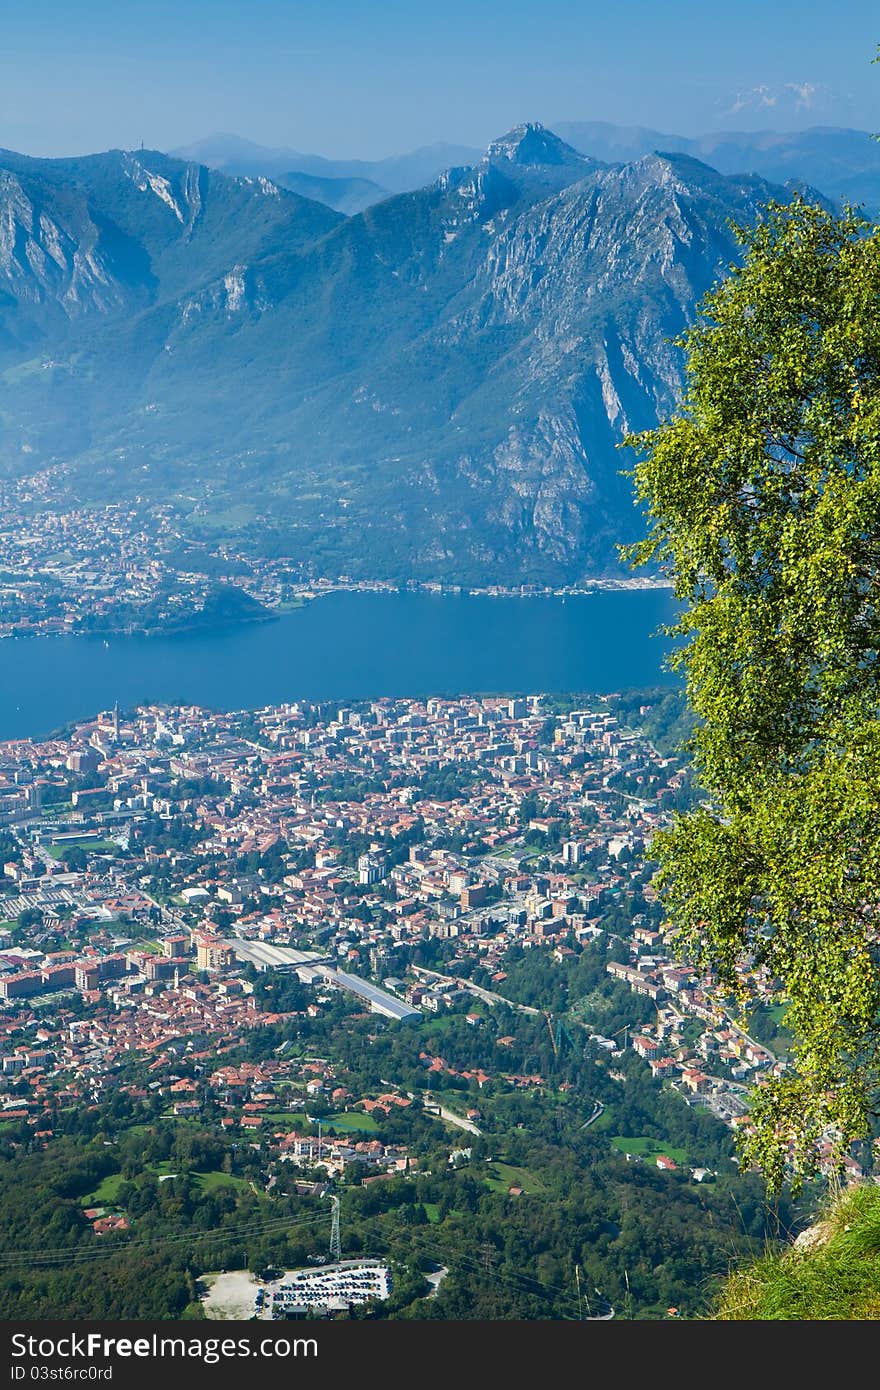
(331, 1288)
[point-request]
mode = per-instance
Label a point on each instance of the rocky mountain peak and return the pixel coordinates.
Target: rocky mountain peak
(532, 144)
(462, 360)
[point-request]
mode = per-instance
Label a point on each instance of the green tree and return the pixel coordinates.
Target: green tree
(763, 494)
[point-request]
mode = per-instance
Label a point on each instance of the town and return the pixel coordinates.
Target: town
(177, 882)
(123, 568)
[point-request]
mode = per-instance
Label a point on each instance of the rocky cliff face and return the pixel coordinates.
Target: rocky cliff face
(436, 386)
(58, 263)
(104, 236)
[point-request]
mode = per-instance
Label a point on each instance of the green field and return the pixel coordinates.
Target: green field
(438, 1027)
(604, 1122)
(107, 1192)
(648, 1148)
(777, 1012)
(96, 846)
(282, 1118)
(205, 1182)
(459, 1102)
(209, 1182)
(501, 1176)
(233, 517)
(352, 1120)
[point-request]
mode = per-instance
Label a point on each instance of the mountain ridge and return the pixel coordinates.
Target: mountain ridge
(434, 388)
(382, 177)
(843, 162)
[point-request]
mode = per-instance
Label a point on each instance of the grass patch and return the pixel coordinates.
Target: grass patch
(231, 518)
(209, 1182)
(604, 1123)
(432, 1211)
(501, 1176)
(193, 1312)
(838, 1279)
(106, 1193)
(283, 1118)
(777, 1012)
(352, 1120)
(436, 1027)
(648, 1148)
(459, 1101)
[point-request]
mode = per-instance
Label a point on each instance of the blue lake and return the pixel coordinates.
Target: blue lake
(348, 646)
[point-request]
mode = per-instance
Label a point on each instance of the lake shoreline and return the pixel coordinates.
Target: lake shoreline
(271, 612)
(352, 645)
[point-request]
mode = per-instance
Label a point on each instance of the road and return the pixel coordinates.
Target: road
(747, 1037)
(451, 1118)
(598, 1109)
(448, 1115)
(606, 1316)
(436, 1279)
(485, 994)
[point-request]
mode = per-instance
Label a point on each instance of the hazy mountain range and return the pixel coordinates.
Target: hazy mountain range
(348, 185)
(844, 164)
(434, 387)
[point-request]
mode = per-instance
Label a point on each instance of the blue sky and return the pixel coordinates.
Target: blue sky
(383, 76)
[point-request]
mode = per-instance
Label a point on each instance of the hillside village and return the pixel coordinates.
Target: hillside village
(134, 567)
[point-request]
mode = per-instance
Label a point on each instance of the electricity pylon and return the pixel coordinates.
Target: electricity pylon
(335, 1238)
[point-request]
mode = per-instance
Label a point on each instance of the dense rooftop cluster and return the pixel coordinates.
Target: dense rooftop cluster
(157, 861)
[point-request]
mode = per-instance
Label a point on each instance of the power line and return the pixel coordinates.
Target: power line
(523, 1283)
(69, 1255)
